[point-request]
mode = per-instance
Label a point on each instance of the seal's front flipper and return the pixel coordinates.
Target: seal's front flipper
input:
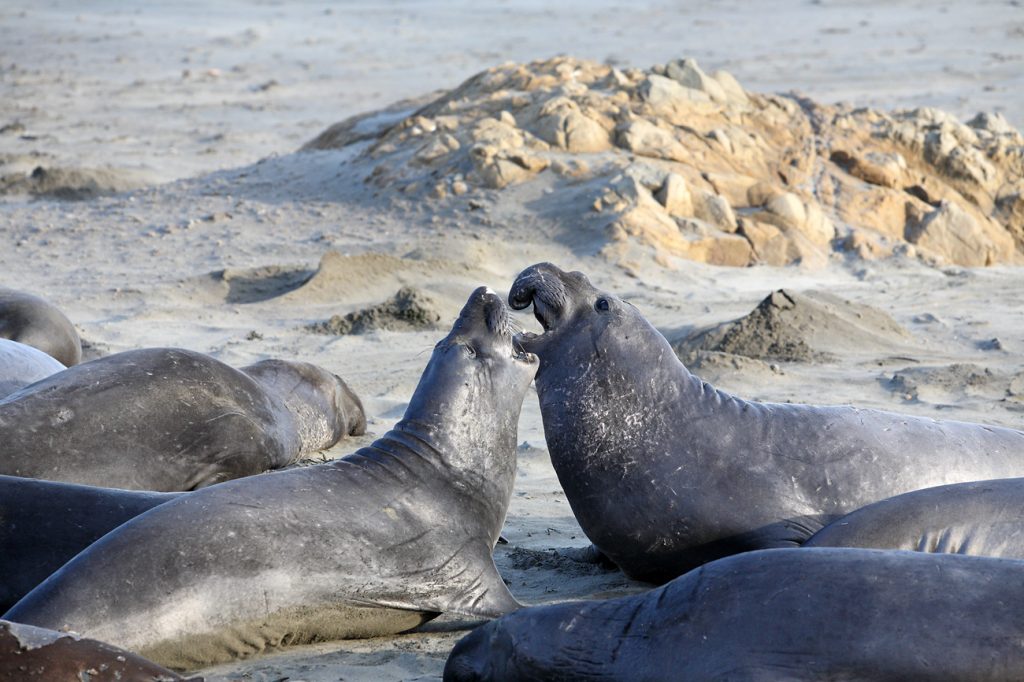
(485, 596)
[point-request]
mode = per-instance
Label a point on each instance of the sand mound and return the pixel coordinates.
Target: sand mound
(408, 310)
(690, 164)
(800, 327)
(251, 285)
(361, 278)
(71, 184)
(952, 383)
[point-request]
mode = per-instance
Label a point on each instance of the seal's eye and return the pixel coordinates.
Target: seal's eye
(601, 305)
(470, 351)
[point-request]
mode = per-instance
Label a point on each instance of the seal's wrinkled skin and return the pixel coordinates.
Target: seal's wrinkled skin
(371, 544)
(31, 320)
(168, 419)
(981, 518)
(796, 614)
(664, 472)
(44, 524)
(28, 654)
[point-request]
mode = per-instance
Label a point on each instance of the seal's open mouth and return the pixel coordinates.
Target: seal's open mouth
(500, 324)
(542, 287)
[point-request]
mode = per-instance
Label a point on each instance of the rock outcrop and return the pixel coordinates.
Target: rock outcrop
(692, 165)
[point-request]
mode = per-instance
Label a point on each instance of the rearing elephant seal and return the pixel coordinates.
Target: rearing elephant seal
(38, 323)
(169, 419)
(44, 524)
(789, 614)
(664, 472)
(372, 544)
(21, 365)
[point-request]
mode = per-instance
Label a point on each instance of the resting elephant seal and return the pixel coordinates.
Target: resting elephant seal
(169, 419)
(21, 365)
(981, 518)
(793, 614)
(372, 544)
(664, 472)
(28, 653)
(38, 323)
(44, 524)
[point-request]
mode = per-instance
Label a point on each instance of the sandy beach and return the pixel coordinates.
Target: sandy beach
(175, 207)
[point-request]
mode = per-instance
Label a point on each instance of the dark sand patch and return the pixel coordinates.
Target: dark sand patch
(800, 327)
(408, 310)
(71, 184)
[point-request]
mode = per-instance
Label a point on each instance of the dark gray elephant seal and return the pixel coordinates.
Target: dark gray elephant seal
(981, 518)
(787, 614)
(44, 524)
(35, 654)
(372, 544)
(664, 472)
(21, 365)
(169, 419)
(38, 323)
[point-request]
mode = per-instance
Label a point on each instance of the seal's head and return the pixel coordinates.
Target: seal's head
(324, 407)
(585, 328)
(531, 644)
(476, 372)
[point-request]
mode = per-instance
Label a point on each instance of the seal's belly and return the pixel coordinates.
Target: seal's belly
(288, 627)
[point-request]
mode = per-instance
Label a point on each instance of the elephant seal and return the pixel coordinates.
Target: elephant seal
(28, 653)
(44, 524)
(168, 419)
(793, 614)
(375, 543)
(664, 472)
(38, 323)
(21, 365)
(981, 518)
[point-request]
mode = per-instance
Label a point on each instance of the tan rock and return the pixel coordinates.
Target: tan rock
(1010, 211)
(714, 210)
(733, 90)
(689, 74)
(761, 193)
(497, 134)
(866, 245)
(436, 148)
(562, 124)
(668, 100)
(733, 186)
(707, 245)
(886, 170)
(952, 233)
(674, 195)
(772, 245)
(642, 137)
(571, 168)
(789, 207)
(499, 168)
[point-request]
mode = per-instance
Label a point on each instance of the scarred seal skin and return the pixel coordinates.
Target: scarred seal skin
(168, 419)
(31, 320)
(374, 543)
(35, 654)
(980, 518)
(664, 472)
(786, 614)
(44, 524)
(21, 365)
